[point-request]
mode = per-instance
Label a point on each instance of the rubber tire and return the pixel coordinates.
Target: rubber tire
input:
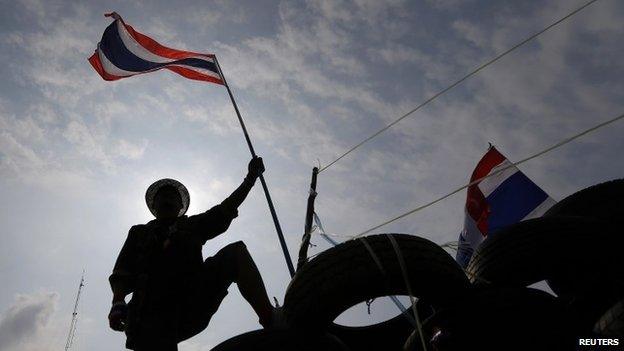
(495, 318)
(579, 253)
(611, 324)
(347, 274)
(603, 201)
(385, 336)
(542, 248)
(282, 340)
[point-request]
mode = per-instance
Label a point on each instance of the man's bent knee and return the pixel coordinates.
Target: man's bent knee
(236, 249)
(234, 254)
(238, 245)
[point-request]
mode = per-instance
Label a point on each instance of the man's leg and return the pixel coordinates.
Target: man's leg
(231, 264)
(250, 283)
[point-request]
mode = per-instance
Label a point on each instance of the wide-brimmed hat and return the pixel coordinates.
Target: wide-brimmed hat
(157, 185)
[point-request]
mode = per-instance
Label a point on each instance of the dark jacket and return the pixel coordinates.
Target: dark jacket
(157, 263)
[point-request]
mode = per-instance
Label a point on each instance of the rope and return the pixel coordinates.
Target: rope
(415, 322)
(403, 267)
(395, 300)
(373, 255)
(321, 230)
(456, 83)
(452, 245)
(555, 146)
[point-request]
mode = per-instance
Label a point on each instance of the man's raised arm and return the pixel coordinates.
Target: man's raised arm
(254, 170)
(217, 219)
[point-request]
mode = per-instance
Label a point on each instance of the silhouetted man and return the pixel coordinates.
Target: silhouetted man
(174, 290)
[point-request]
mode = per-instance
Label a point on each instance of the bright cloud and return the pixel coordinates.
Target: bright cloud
(26, 320)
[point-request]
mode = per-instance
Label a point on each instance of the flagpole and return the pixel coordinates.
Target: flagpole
(278, 228)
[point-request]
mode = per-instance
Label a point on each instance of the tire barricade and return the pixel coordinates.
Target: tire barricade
(575, 247)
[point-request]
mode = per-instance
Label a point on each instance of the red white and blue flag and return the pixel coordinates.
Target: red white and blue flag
(124, 52)
(497, 201)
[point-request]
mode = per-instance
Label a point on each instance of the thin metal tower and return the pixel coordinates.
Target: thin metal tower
(72, 326)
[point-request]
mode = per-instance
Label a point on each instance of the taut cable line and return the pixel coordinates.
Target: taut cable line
(538, 154)
(458, 82)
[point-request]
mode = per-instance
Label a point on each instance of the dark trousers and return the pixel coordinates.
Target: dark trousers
(161, 329)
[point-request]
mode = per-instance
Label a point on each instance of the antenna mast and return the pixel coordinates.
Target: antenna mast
(72, 326)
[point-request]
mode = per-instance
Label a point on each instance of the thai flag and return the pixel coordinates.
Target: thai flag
(500, 199)
(124, 52)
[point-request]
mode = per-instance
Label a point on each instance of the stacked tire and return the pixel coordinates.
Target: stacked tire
(498, 318)
(575, 247)
(360, 270)
(282, 340)
(354, 272)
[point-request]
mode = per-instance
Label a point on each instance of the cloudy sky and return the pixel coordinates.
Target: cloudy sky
(312, 78)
